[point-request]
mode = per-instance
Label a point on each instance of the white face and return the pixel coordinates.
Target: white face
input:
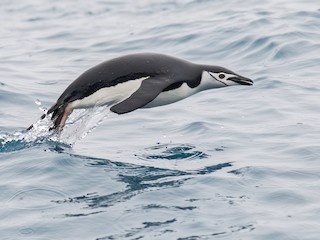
(223, 78)
(216, 80)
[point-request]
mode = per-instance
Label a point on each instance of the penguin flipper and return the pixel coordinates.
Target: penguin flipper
(148, 91)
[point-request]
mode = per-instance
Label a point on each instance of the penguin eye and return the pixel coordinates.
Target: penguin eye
(221, 76)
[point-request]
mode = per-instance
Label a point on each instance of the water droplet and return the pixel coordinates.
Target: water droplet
(38, 102)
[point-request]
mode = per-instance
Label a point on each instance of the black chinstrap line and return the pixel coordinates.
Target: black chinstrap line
(218, 80)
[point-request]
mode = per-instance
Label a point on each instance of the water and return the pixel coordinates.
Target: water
(234, 163)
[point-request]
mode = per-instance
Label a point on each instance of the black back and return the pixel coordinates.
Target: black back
(165, 71)
(129, 67)
(122, 69)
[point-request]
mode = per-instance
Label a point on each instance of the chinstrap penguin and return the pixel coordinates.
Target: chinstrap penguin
(139, 80)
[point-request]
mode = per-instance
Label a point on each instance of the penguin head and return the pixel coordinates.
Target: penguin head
(215, 76)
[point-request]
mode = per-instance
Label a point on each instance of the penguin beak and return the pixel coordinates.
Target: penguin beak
(241, 80)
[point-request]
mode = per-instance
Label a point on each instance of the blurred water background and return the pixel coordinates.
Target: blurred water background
(232, 163)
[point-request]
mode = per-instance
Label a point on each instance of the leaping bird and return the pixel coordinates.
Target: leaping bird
(139, 80)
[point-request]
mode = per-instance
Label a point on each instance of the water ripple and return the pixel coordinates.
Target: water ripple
(35, 199)
(172, 152)
(139, 180)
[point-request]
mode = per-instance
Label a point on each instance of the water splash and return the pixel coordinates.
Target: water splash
(81, 123)
(78, 126)
(41, 107)
(21, 140)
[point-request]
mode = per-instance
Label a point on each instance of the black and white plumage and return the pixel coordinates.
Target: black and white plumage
(139, 80)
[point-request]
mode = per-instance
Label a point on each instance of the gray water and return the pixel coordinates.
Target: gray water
(232, 163)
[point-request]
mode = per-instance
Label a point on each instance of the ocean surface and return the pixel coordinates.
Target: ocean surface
(241, 162)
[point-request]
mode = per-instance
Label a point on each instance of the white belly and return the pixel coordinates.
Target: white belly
(109, 95)
(112, 95)
(172, 96)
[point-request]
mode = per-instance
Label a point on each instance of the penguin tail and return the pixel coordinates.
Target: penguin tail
(59, 116)
(57, 111)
